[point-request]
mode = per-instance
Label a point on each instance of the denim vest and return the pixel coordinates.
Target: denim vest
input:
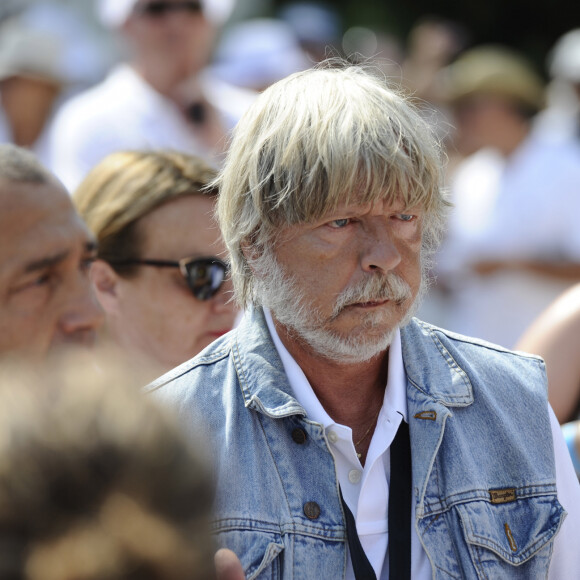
(483, 464)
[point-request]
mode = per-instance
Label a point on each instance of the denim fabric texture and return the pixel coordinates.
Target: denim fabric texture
(483, 467)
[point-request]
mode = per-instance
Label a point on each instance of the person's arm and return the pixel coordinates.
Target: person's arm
(555, 336)
(569, 271)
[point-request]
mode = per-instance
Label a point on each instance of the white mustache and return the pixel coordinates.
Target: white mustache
(375, 288)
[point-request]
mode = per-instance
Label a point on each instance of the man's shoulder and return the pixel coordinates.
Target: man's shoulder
(186, 378)
(420, 330)
(115, 91)
(426, 346)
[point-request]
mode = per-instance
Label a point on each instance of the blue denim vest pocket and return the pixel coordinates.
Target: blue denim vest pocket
(511, 540)
(259, 552)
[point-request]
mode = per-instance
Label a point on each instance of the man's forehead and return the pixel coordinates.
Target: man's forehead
(360, 205)
(36, 225)
(16, 195)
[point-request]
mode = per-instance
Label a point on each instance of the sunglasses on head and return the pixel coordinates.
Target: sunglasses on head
(204, 276)
(158, 9)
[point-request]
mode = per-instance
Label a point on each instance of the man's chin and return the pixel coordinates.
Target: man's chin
(373, 322)
(356, 346)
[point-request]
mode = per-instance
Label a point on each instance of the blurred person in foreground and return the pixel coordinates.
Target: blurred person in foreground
(363, 443)
(158, 274)
(46, 298)
(571, 431)
(96, 481)
(155, 97)
(513, 242)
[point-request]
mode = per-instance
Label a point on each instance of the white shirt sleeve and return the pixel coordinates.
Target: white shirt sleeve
(566, 555)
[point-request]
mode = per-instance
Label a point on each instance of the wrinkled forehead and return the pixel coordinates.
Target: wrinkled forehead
(355, 195)
(38, 218)
(389, 202)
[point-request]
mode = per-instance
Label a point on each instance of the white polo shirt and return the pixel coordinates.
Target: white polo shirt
(366, 489)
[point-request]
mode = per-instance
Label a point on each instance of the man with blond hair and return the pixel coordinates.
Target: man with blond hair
(352, 440)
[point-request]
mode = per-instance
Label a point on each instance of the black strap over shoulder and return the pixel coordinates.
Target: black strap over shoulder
(400, 498)
(399, 515)
(360, 563)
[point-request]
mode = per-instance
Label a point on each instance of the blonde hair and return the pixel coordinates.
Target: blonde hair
(317, 139)
(97, 481)
(127, 185)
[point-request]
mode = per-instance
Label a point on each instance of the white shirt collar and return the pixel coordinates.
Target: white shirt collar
(395, 393)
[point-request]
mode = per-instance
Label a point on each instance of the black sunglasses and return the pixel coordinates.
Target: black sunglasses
(159, 9)
(204, 276)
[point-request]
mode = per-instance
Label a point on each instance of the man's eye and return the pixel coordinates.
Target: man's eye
(406, 217)
(86, 263)
(340, 223)
(32, 284)
(41, 280)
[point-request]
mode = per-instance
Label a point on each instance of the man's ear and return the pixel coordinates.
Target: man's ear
(105, 281)
(250, 253)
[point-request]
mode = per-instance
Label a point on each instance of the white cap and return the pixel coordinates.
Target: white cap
(256, 53)
(114, 13)
(316, 22)
(51, 42)
(565, 57)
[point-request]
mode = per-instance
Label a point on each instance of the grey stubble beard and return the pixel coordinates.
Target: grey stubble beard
(279, 291)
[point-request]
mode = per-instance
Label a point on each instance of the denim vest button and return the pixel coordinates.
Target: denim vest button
(311, 510)
(299, 436)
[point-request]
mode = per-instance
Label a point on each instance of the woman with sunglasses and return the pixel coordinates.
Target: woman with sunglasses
(159, 276)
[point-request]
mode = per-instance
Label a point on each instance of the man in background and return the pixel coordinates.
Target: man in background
(46, 299)
(155, 97)
(512, 244)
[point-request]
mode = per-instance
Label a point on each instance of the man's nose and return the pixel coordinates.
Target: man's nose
(379, 251)
(82, 315)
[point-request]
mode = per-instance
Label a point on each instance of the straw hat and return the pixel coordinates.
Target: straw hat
(494, 70)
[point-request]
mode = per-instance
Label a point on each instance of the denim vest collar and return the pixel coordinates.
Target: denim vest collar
(429, 366)
(260, 370)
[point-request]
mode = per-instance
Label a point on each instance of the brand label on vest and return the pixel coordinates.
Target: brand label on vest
(502, 495)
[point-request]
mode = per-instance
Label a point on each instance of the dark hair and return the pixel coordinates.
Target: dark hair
(97, 481)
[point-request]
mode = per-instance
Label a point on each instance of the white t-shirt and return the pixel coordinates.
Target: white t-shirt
(121, 113)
